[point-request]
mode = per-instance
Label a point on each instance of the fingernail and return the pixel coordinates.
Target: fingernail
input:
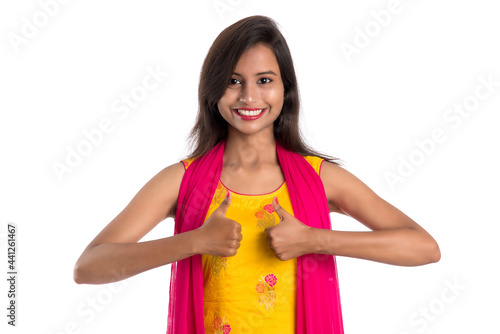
(277, 202)
(227, 194)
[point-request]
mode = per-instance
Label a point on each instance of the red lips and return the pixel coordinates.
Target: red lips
(249, 117)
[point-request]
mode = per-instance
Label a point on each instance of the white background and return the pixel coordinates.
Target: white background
(368, 111)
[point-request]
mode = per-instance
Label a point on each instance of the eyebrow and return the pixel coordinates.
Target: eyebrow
(260, 73)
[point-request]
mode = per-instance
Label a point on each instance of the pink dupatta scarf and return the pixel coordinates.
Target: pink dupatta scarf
(318, 298)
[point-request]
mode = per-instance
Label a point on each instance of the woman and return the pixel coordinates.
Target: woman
(253, 250)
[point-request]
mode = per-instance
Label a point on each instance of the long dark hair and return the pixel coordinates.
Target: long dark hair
(219, 64)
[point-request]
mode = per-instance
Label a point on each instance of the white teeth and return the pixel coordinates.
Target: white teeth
(249, 112)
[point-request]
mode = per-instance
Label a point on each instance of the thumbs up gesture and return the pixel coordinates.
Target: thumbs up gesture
(219, 235)
(290, 238)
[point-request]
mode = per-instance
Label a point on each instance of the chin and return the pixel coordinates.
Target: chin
(247, 130)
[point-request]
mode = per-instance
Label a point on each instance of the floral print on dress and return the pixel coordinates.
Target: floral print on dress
(217, 263)
(221, 325)
(269, 208)
(220, 194)
(266, 291)
(265, 217)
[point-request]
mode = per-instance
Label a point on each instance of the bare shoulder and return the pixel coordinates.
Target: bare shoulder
(340, 186)
(164, 187)
(154, 202)
(348, 195)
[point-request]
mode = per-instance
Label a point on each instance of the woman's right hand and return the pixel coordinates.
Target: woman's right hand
(219, 235)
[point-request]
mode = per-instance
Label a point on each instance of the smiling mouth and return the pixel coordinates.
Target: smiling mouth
(249, 112)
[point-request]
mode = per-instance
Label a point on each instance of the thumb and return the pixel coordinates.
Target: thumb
(282, 213)
(225, 203)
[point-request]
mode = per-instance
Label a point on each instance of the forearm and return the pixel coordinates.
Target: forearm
(111, 262)
(402, 246)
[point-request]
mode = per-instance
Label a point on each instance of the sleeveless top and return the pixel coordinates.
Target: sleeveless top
(253, 291)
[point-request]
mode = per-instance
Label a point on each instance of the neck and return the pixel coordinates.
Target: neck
(242, 150)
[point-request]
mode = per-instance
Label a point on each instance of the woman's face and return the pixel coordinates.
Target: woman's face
(254, 96)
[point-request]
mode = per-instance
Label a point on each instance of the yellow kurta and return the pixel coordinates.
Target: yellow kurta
(253, 291)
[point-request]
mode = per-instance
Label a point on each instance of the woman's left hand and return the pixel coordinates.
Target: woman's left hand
(290, 238)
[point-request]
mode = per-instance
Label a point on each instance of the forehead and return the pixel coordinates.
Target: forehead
(258, 58)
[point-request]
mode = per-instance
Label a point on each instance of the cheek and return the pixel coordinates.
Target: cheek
(276, 96)
(220, 105)
(223, 103)
(226, 100)
(224, 106)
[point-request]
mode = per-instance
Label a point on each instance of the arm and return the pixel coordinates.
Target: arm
(394, 239)
(115, 253)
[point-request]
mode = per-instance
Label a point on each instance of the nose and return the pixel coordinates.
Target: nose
(248, 93)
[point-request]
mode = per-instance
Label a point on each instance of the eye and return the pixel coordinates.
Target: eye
(264, 80)
(234, 81)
